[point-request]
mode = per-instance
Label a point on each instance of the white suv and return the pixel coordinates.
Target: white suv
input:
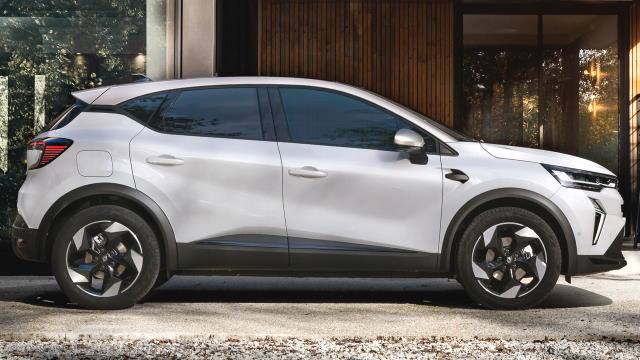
(298, 177)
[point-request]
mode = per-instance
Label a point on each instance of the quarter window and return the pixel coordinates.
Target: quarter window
(143, 108)
(326, 118)
(222, 112)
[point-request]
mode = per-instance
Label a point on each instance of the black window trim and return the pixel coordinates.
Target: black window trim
(264, 110)
(283, 128)
(62, 119)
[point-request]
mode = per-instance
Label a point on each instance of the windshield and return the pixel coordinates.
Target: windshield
(445, 129)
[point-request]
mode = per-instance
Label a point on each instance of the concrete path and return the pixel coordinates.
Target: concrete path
(592, 308)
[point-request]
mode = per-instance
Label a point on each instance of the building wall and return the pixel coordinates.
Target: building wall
(634, 92)
(400, 49)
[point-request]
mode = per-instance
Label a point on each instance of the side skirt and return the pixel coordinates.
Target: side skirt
(259, 255)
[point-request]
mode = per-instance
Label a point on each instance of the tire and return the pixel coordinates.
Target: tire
(517, 268)
(105, 257)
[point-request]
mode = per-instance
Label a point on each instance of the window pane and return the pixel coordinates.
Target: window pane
(228, 112)
(500, 78)
(144, 107)
(581, 79)
(326, 118)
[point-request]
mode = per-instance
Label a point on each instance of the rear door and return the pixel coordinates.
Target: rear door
(353, 201)
(209, 159)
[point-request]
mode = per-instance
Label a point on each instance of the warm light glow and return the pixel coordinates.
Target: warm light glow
(595, 72)
(139, 62)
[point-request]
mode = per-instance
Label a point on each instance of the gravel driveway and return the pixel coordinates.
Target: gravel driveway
(217, 317)
(291, 348)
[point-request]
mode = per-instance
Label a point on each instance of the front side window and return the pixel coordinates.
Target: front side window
(327, 118)
(221, 112)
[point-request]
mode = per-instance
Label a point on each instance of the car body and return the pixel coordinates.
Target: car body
(275, 183)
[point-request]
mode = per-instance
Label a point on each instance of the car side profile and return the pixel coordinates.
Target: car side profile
(296, 177)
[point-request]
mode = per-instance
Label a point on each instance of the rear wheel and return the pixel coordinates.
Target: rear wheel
(105, 257)
(508, 258)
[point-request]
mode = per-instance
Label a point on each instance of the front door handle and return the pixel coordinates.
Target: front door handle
(308, 172)
(165, 160)
(457, 175)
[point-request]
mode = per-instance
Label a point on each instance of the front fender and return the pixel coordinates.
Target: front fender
(509, 197)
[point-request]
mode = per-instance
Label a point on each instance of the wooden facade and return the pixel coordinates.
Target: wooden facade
(402, 49)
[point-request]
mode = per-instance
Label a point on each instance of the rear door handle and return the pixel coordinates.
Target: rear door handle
(308, 172)
(457, 175)
(165, 160)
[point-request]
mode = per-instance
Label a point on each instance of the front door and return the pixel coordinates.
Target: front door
(354, 202)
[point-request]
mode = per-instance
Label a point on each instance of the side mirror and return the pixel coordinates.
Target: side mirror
(413, 143)
(406, 138)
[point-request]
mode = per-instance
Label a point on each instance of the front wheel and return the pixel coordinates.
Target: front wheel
(105, 257)
(508, 258)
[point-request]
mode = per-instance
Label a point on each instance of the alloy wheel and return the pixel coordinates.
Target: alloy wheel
(509, 260)
(104, 258)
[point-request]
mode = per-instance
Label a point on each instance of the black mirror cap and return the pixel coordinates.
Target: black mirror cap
(418, 157)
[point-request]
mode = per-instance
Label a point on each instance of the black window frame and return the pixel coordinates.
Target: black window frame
(67, 115)
(282, 127)
(122, 110)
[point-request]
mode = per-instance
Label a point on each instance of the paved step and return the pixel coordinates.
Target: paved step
(633, 264)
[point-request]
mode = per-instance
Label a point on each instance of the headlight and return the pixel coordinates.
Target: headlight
(581, 179)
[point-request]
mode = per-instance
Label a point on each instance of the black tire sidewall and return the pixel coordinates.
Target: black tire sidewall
(135, 223)
(493, 217)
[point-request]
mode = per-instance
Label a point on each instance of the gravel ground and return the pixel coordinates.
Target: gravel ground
(292, 348)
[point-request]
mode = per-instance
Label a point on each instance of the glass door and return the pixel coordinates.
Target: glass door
(544, 81)
(580, 72)
(500, 79)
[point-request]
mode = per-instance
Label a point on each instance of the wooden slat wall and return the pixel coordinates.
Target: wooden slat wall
(402, 49)
(634, 92)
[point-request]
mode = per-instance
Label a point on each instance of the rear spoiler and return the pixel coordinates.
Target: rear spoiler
(91, 95)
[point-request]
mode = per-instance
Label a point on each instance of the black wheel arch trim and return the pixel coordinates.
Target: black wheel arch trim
(494, 198)
(121, 191)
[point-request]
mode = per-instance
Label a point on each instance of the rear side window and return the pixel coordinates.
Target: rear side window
(143, 108)
(67, 116)
(220, 112)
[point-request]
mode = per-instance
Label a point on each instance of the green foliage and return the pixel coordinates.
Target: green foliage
(75, 44)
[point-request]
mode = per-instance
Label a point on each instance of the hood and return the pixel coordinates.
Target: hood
(543, 157)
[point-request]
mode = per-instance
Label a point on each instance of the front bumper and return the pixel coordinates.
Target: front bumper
(611, 260)
(24, 241)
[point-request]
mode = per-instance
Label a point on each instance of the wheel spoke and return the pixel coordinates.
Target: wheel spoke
(491, 240)
(81, 274)
(115, 227)
(535, 266)
(116, 234)
(81, 240)
(485, 269)
(110, 285)
(524, 238)
(511, 290)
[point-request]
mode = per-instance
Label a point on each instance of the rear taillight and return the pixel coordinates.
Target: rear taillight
(40, 152)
